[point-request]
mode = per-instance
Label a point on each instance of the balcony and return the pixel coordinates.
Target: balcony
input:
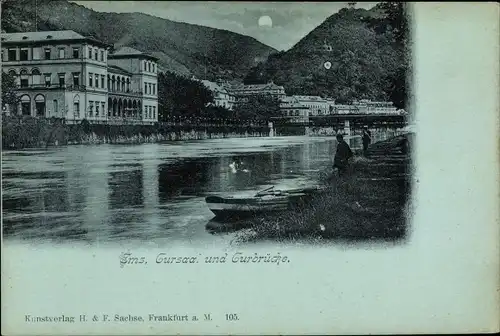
(51, 86)
(126, 92)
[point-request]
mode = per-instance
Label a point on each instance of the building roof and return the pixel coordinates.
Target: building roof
(310, 98)
(125, 52)
(41, 36)
(213, 86)
(117, 69)
(256, 87)
(47, 36)
(291, 102)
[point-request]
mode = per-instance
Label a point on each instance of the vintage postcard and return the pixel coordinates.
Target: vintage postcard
(234, 168)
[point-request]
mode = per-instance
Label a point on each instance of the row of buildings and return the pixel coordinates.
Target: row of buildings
(296, 107)
(66, 75)
(229, 95)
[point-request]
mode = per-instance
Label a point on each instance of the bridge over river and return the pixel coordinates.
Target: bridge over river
(346, 123)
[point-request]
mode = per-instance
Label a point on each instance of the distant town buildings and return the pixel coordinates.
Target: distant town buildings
(294, 110)
(229, 95)
(66, 75)
(300, 108)
(316, 105)
(242, 91)
(373, 107)
(222, 96)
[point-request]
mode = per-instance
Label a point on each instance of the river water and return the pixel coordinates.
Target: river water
(147, 193)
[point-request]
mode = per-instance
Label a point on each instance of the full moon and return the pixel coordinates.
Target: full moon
(265, 21)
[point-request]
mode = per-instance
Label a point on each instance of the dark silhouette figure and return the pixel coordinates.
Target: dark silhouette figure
(342, 155)
(367, 139)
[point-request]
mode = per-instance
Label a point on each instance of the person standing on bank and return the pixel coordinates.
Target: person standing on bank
(367, 139)
(342, 156)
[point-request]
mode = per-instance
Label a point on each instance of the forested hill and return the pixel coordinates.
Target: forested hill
(367, 50)
(181, 47)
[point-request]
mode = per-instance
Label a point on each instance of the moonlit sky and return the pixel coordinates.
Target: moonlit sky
(291, 21)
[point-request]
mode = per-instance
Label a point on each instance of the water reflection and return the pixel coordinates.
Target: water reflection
(144, 192)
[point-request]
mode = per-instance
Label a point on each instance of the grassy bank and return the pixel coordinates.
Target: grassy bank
(370, 202)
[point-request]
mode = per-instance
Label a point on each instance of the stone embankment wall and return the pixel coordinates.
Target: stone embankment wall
(28, 132)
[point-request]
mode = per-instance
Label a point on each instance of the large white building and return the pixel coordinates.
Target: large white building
(300, 108)
(294, 110)
(316, 104)
(242, 91)
(222, 96)
(366, 106)
(66, 75)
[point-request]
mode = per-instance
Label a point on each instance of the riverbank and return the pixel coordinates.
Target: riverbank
(29, 132)
(370, 203)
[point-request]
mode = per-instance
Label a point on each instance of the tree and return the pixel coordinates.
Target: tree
(9, 95)
(259, 107)
(180, 96)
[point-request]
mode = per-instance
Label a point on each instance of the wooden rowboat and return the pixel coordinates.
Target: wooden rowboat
(264, 202)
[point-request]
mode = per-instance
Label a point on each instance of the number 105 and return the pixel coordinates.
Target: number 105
(231, 317)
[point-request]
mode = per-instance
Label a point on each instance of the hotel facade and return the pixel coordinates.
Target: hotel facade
(66, 75)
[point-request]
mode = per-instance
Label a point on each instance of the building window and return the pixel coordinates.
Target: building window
(103, 106)
(47, 80)
(47, 53)
(26, 105)
(61, 53)
(76, 53)
(149, 67)
(102, 55)
(91, 75)
(154, 89)
(76, 79)
(36, 76)
(40, 105)
(56, 107)
(154, 67)
(76, 109)
(91, 108)
(95, 54)
(96, 109)
(35, 53)
(154, 112)
(24, 78)
(24, 55)
(96, 80)
(12, 55)
(103, 82)
(61, 80)
(146, 88)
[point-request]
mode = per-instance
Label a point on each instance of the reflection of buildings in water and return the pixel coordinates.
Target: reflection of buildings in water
(187, 177)
(150, 182)
(94, 180)
(126, 200)
(126, 187)
(76, 189)
(305, 163)
(87, 192)
(222, 174)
